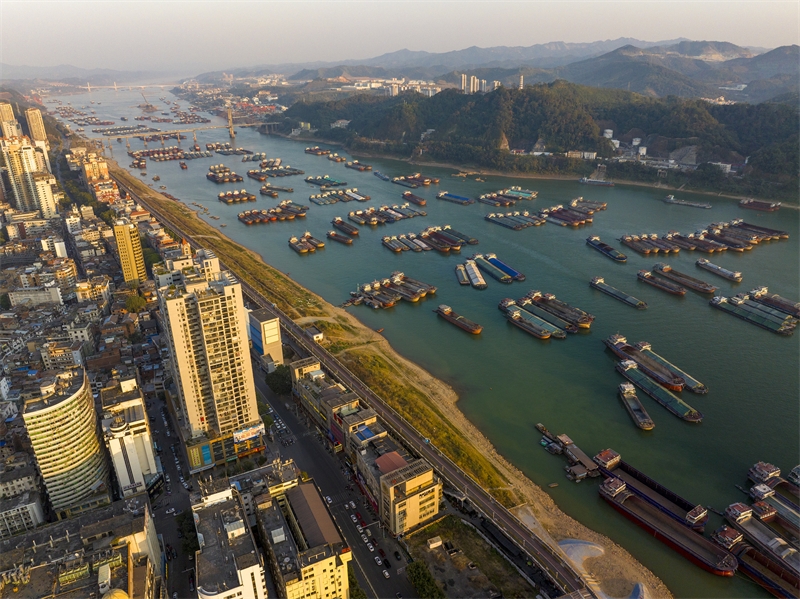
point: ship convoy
(385, 293)
(758, 540)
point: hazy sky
(198, 36)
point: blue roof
(364, 433)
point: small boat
(379, 330)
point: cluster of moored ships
(760, 539)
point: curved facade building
(63, 428)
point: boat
(647, 277)
(183, 165)
(737, 306)
(637, 411)
(297, 245)
(695, 547)
(339, 237)
(509, 306)
(605, 249)
(448, 230)
(555, 306)
(447, 313)
(670, 199)
(534, 308)
(381, 176)
(392, 244)
(514, 316)
(461, 274)
(308, 238)
(344, 227)
(775, 578)
(731, 275)
(600, 284)
(456, 199)
(636, 244)
(491, 269)
(414, 199)
(763, 296)
(665, 270)
(690, 383)
(774, 233)
(763, 538)
(762, 206)
(356, 165)
(655, 369)
(630, 370)
(590, 181)
(495, 261)
(475, 277)
(687, 513)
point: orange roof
(389, 462)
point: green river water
(508, 380)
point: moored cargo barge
(763, 296)
(414, 199)
(731, 275)
(665, 270)
(529, 322)
(685, 512)
(647, 277)
(555, 306)
(656, 370)
(490, 269)
(740, 517)
(495, 261)
(447, 313)
(474, 275)
(605, 249)
(343, 226)
(534, 308)
(456, 199)
(629, 369)
(738, 307)
(776, 579)
(600, 284)
(634, 407)
(696, 548)
(762, 206)
(690, 383)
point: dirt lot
(491, 574)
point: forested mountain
(480, 129)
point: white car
(364, 538)
(370, 547)
(378, 561)
(353, 518)
(353, 504)
(386, 573)
(328, 499)
(358, 528)
(170, 510)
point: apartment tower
(129, 247)
(63, 428)
(35, 125)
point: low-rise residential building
(18, 475)
(58, 355)
(20, 513)
(265, 335)
(35, 296)
(306, 552)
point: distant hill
(72, 74)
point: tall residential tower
(129, 247)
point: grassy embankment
(373, 362)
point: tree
(356, 592)
(424, 583)
(5, 301)
(135, 304)
(280, 380)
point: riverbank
(414, 393)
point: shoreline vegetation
(414, 393)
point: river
(507, 380)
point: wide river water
(508, 380)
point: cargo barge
(461, 275)
(655, 369)
(495, 200)
(738, 307)
(600, 284)
(535, 309)
(786, 510)
(492, 270)
(549, 303)
(421, 179)
(732, 243)
(740, 517)
(234, 197)
(529, 322)
(763, 296)
(593, 205)
(405, 182)
(494, 261)
(665, 270)
(357, 166)
(630, 370)
(317, 151)
(670, 199)
(696, 548)
(300, 246)
(770, 475)
(474, 275)
(440, 237)
(636, 244)
(517, 193)
(465, 238)
(393, 244)
(774, 233)
(414, 199)
(685, 512)
(224, 176)
(343, 226)
(773, 577)
(605, 249)
(325, 181)
(455, 199)
(333, 235)
(647, 277)
(635, 408)
(690, 383)
(731, 275)
(447, 313)
(336, 158)
(515, 220)
(762, 206)
(598, 182)
(381, 176)
(318, 244)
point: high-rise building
(496, 84)
(19, 160)
(11, 129)
(483, 85)
(35, 124)
(129, 248)
(6, 112)
(464, 82)
(64, 433)
(44, 184)
(521, 81)
(206, 323)
(94, 168)
(473, 85)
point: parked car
(328, 499)
(353, 518)
(171, 510)
(353, 504)
(371, 547)
(397, 556)
(386, 574)
(378, 561)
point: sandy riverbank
(358, 346)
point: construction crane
(147, 107)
